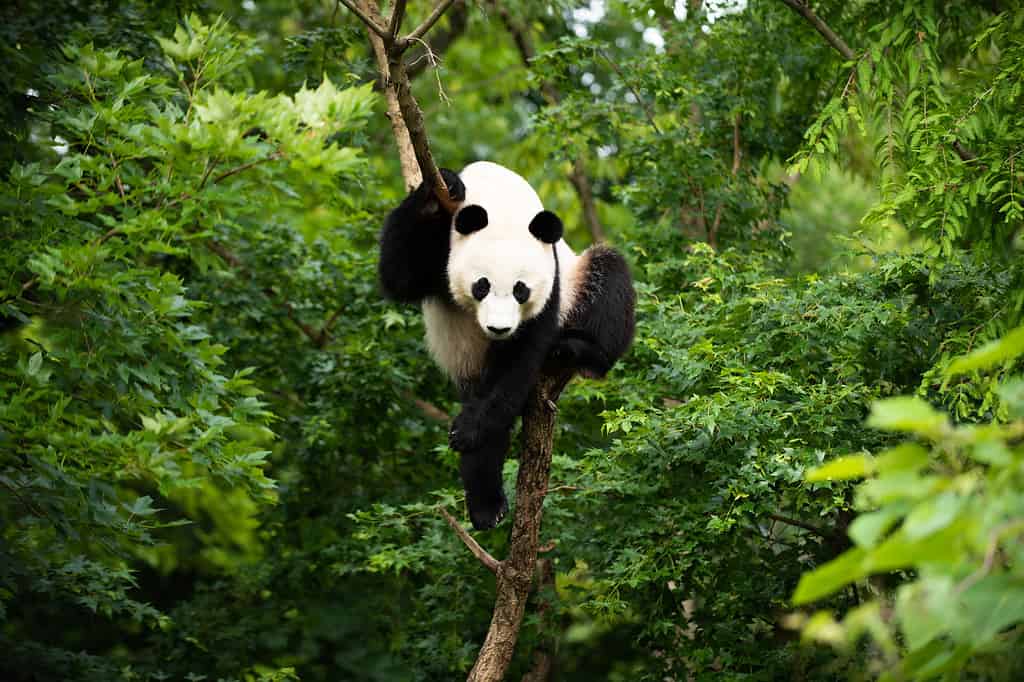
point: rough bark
(544, 655)
(406, 155)
(407, 122)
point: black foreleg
(414, 244)
(481, 476)
(481, 431)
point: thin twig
(440, 9)
(821, 27)
(441, 39)
(479, 552)
(639, 100)
(434, 61)
(800, 524)
(246, 166)
(365, 18)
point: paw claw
(487, 516)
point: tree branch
(458, 19)
(489, 562)
(397, 14)
(420, 30)
(804, 10)
(429, 409)
(581, 182)
(800, 524)
(403, 110)
(515, 573)
(366, 18)
(245, 166)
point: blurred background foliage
(221, 453)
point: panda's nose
(498, 330)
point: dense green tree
(222, 453)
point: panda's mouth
(498, 333)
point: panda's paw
(465, 434)
(486, 513)
(456, 188)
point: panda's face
(502, 282)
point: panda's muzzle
(498, 331)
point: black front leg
(414, 244)
(480, 469)
(480, 433)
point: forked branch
(403, 110)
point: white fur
(505, 252)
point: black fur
(413, 266)
(600, 327)
(414, 244)
(470, 219)
(547, 227)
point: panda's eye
(521, 292)
(481, 288)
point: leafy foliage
(951, 517)
(222, 454)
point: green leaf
(906, 457)
(932, 515)
(1006, 348)
(867, 529)
(34, 363)
(844, 468)
(908, 414)
(834, 575)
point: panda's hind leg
(600, 327)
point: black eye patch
(521, 292)
(481, 288)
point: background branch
(804, 10)
(578, 177)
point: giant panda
(503, 298)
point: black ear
(470, 219)
(546, 227)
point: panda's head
(501, 267)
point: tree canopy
(223, 455)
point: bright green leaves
(843, 468)
(946, 515)
(908, 415)
(167, 210)
(991, 354)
